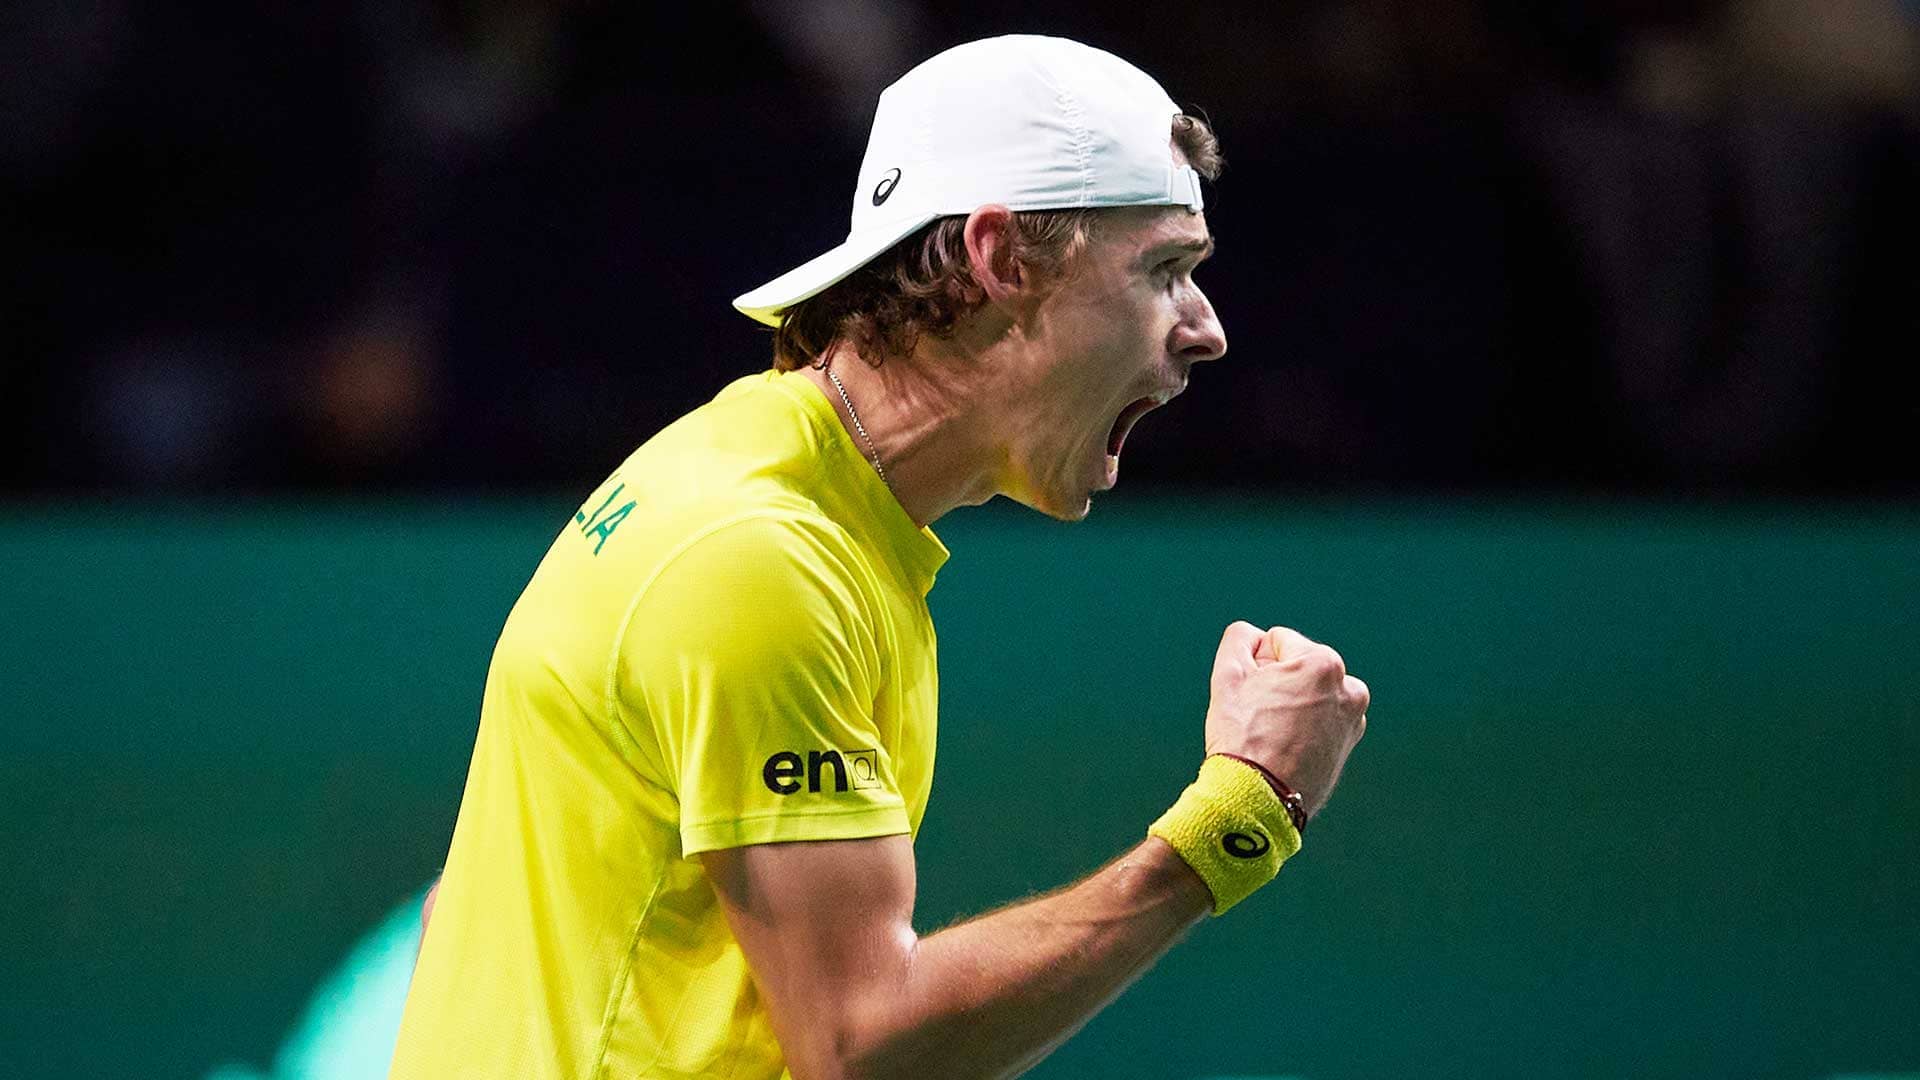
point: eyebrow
(1204, 247)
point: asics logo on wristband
(1242, 846)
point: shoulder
(790, 566)
(753, 416)
(761, 541)
(760, 604)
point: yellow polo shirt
(729, 644)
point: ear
(989, 239)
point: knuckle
(1359, 694)
(1325, 664)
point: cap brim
(813, 277)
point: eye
(1170, 272)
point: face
(1109, 343)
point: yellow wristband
(1231, 828)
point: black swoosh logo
(1242, 846)
(886, 186)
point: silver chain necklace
(857, 425)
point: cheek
(1126, 316)
(1097, 342)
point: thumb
(1238, 646)
(1278, 642)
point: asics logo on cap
(1024, 121)
(886, 186)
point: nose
(1198, 336)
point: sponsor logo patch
(787, 771)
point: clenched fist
(1286, 702)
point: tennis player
(707, 739)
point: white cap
(1032, 123)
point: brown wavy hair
(924, 284)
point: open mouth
(1129, 416)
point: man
(686, 846)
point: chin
(1060, 506)
(1066, 493)
(1066, 507)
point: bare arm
(426, 916)
(426, 906)
(827, 928)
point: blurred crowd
(1643, 246)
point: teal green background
(1638, 796)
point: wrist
(1231, 828)
(1295, 803)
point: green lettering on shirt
(605, 526)
(602, 523)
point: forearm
(992, 996)
(852, 991)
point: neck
(935, 449)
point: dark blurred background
(1616, 246)
(1572, 394)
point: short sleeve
(751, 660)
